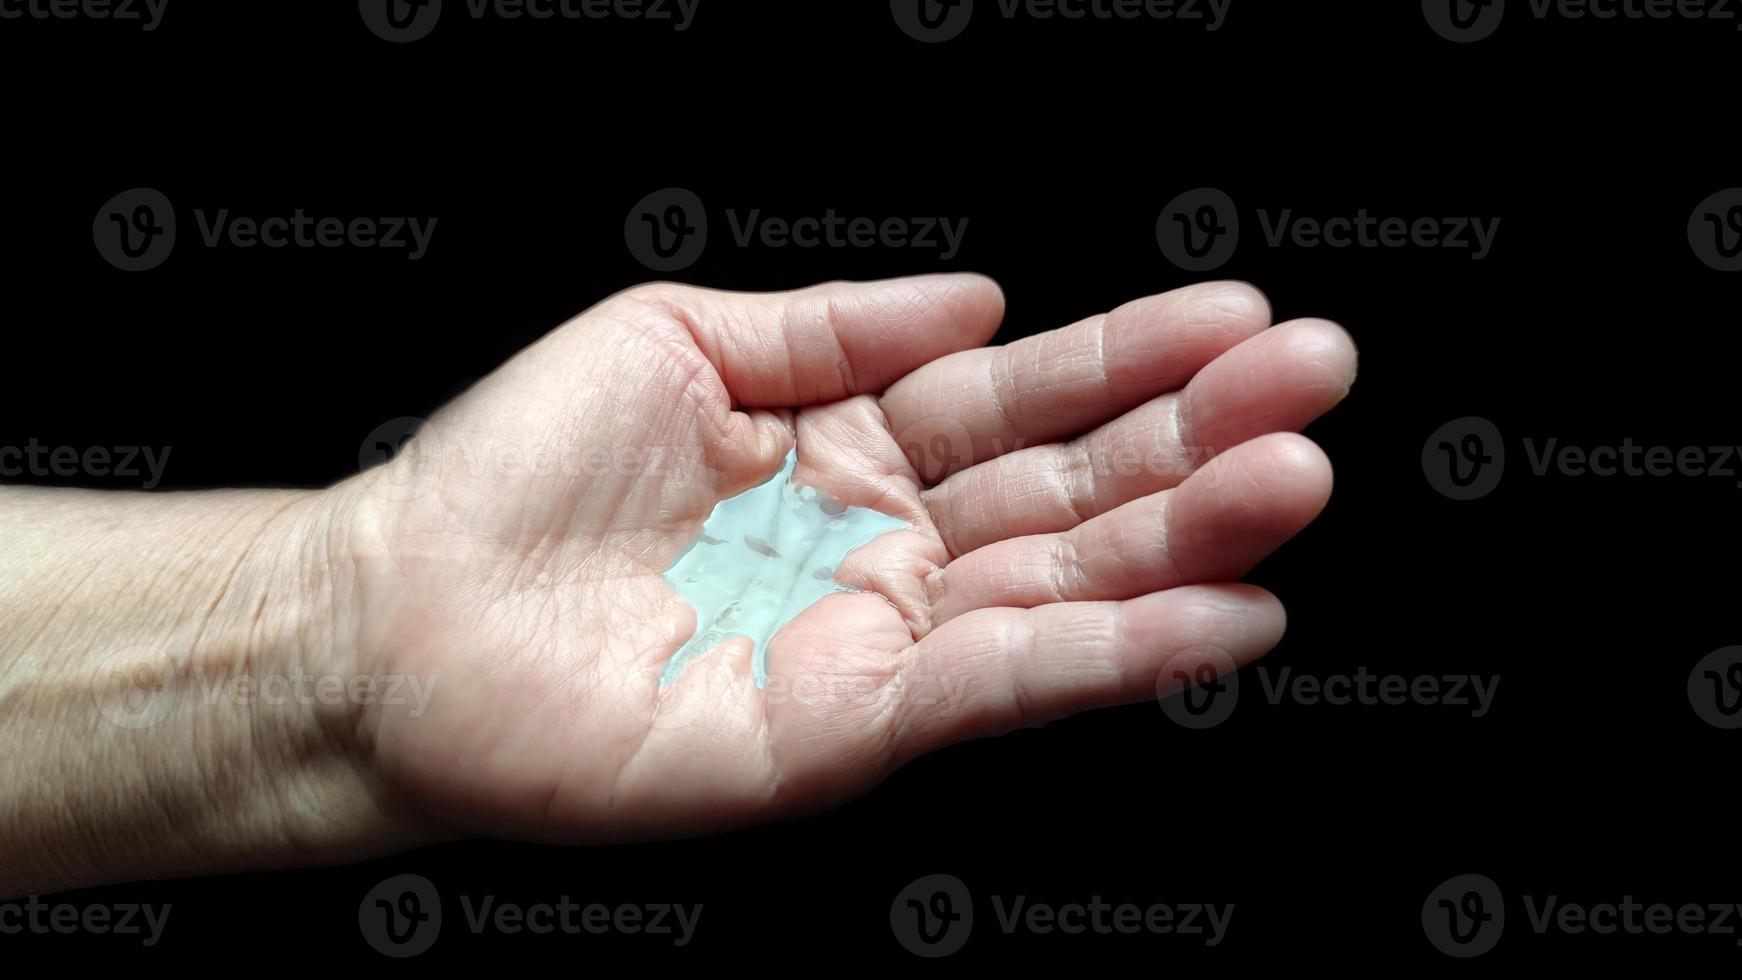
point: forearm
(135, 632)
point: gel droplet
(779, 544)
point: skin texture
(1083, 503)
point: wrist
(181, 680)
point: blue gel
(762, 558)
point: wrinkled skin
(1081, 506)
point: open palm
(1080, 504)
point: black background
(1327, 826)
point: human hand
(1079, 507)
(1081, 504)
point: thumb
(828, 342)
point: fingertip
(1321, 348)
(1225, 625)
(1155, 344)
(1260, 471)
(1240, 299)
(1249, 612)
(1231, 310)
(974, 301)
(888, 327)
(1268, 617)
(1242, 506)
(992, 303)
(1295, 471)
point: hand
(1081, 505)
(469, 639)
